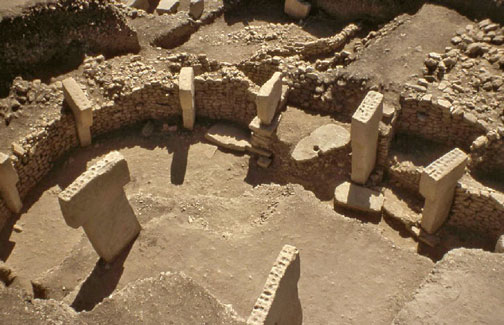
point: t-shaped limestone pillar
(268, 97)
(97, 202)
(81, 108)
(279, 302)
(437, 185)
(186, 95)
(364, 134)
(8, 181)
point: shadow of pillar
(179, 163)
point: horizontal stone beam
(279, 302)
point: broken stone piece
(8, 181)
(279, 302)
(297, 9)
(265, 130)
(268, 98)
(186, 96)
(499, 246)
(357, 197)
(196, 8)
(167, 7)
(229, 136)
(323, 140)
(81, 108)
(97, 202)
(139, 4)
(264, 162)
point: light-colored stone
(297, 9)
(499, 246)
(397, 209)
(356, 197)
(268, 98)
(279, 302)
(81, 108)
(196, 8)
(167, 7)
(437, 185)
(364, 133)
(139, 4)
(8, 181)
(323, 140)
(97, 202)
(265, 130)
(186, 96)
(229, 136)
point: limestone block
(196, 8)
(97, 202)
(357, 197)
(268, 98)
(81, 108)
(139, 4)
(437, 185)
(167, 7)
(499, 247)
(229, 137)
(265, 130)
(279, 302)
(8, 181)
(323, 140)
(297, 9)
(364, 135)
(186, 96)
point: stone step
(357, 197)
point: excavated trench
(215, 214)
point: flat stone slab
(397, 209)
(229, 136)
(265, 130)
(168, 7)
(325, 139)
(356, 197)
(465, 287)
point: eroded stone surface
(196, 8)
(8, 181)
(167, 7)
(298, 9)
(356, 197)
(321, 141)
(186, 96)
(229, 136)
(398, 209)
(279, 302)
(268, 98)
(81, 108)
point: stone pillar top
(366, 110)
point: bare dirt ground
(202, 211)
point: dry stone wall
(487, 153)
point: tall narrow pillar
(186, 95)
(364, 135)
(97, 202)
(81, 108)
(268, 98)
(8, 181)
(279, 302)
(437, 185)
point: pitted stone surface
(353, 196)
(321, 141)
(279, 302)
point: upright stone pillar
(268, 98)
(279, 302)
(97, 202)
(81, 108)
(186, 96)
(437, 185)
(364, 134)
(8, 181)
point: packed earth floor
(218, 201)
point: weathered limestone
(8, 181)
(81, 108)
(499, 246)
(186, 96)
(437, 185)
(167, 7)
(139, 4)
(196, 8)
(297, 9)
(97, 202)
(323, 140)
(268, 98)
(364, 133)
(229, 137)
(357, 197)
(279, 302)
